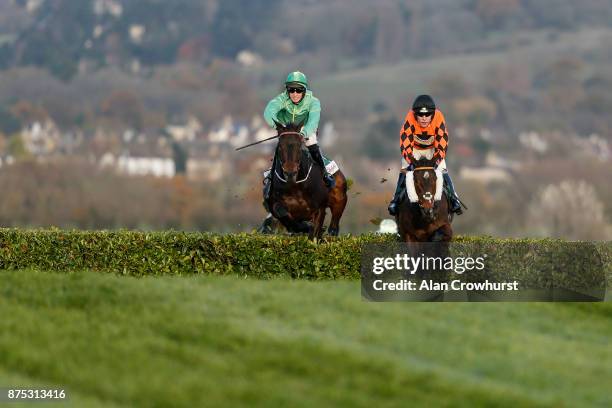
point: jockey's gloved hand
(410, 167)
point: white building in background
(187, 132)
(112, 7)
(485, 174)
(533, 141)
(139, 166)
(146, 166)
(41, 138)
(223, 132)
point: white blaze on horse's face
(426, 188)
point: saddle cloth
(330, 165)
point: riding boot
(400, 191)
(267, 184)
(315, 152)
(454, 198)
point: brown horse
(298, 195)
(424, 215)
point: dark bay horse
(424, 215)
(298, 195)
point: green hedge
(179, 253)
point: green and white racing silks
(284, 111)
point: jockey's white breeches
(424, 154)
(310, 140)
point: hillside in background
(60, 35)
(148, 100)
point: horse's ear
(278, 125)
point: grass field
(225, 341)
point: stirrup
(455, 206)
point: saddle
(330, 165)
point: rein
(299, 181)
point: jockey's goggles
(291, 90)
(425, 114)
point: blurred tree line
(58, 35)
(76, 194)
(87, 66)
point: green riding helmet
(297, 77)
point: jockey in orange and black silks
(423, 135)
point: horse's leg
(296, 227)
(337, 209)
(317, 222)
(408, 237)
(280, 212)
(337, 203)
(293, 226)
(445, 232)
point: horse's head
(426, 187)
(289, 149)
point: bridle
(426, 196)
(280, 161)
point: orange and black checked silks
(412, 136)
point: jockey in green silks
(297, 104)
